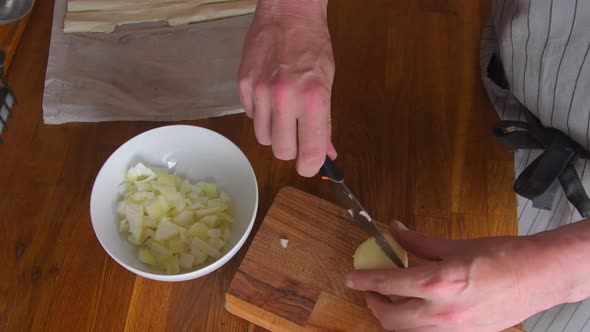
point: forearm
(565, 253)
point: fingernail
(401, 226)
(349, 283)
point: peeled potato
(369, 255)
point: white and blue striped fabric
(544, 46)
(5, 108)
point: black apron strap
(543, 171)
(572, 186)
(555, 163)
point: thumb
(422, 245)
(332, 151)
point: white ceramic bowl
(199, 154)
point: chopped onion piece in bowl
(178, 226)
(184, 173)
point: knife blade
(346, 198)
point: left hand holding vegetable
(467, 285)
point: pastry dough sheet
(144, 72)
(114, 5)
(106, 17)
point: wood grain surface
(301, 287)
(411, 123)
(10, 37)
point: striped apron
(543, 47)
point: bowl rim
(186, 275)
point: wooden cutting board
(301, 287)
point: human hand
(485, 284)
(285, 81)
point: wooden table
(412, 126)
(10, 37)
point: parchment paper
(147, 72)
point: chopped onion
(164, 178)
(186, 261)
(149, 222)
(161, 253)
(123, 225)
(213, 210)
(284, 243)
(134, 215)
(146, 256)
(167, 190)
(215, 202)
(167, 229)
(140, 173)
(176, 225)
(147, 234)
(185, 217)
(206, 248)
(210, 189)
(226, 234)
(143, 195)
(155, 209)
(173, 265)
(125, 187)
(199, 230)
(224, 216)
(143, 186)
(200, 257)
(177, 246)
(211, 221)
(214, 233)
(184, 237)
(224, 197)
(216, 243)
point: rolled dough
(175, 13)
(125, 5)
(113, 5)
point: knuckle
(280, 87)
(436, 283)
(445, 282)
(317, 82)
(316, 90)
(280, 90)
(244, 83)
(261, 88)
(317, 97)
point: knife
(333, 175)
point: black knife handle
(329, 171)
